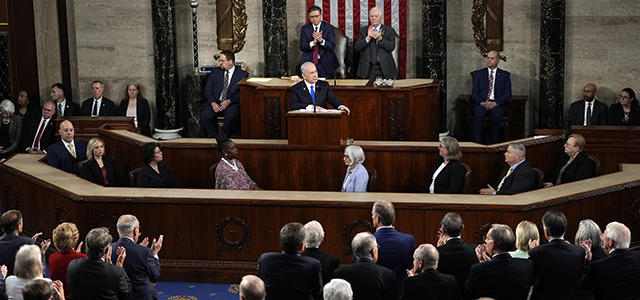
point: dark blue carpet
(196, 291)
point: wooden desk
(218, 236)
(87, 127)
(612, 145)
(319, 128)
(408, 112)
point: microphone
(314, 98)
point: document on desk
(320, 111)
(259, 79)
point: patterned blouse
(229, 179)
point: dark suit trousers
(496, 118)
(322, 72)
(209, 119)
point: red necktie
(36, 142)
(95, 108)
(315, 51)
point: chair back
(212, 175)
(596, 165)
(396, 52)
(372, 185)
(539, 178)
(81, 166)
(133, 177)
(467, 179)
(341, 53)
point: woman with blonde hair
(447, 174)
(527, 238)
(99, 168)
(28, 267)
(65, 238)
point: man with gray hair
(252, 288)
(97, 105)
(517, 177)
(501, 277)
(313, 94)
(289, 275)
(368, 280)
(338, 289)
(315, 236)
(424, 279)
(616, 276)
(142, 264)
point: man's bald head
(66, 131)
(589, 92)
(252, 288)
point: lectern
(319, 128)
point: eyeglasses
(443, 147)
(314, 16)
(624, 97)
(346, 156)
(222, 60)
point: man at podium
(311, 93)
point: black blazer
(557, 268)
(289, 276)
(501, 278)
(450, 179)
(520, 180)
(107, 107)
(47, 139)
(10, 243)
(70, 109)
(300, 96)
(576, 114)
(456, 258)
(368, 280)
(97, 279)
(93, 173)
(385, 50)
(580, 168)
(328, 262)
(148, 177)
(143, 113)
(429, 285)
(615, 277)
(616, 115)
(142, 268)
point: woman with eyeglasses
(134, 105)
(447, 174)
(626, 112)
(357, 178)
(575, 166)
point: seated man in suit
(369, 281)
(557, 265)
(500, 277)
(223, 96)
(11, 240)
(317, 41)
(491, 93)
(424, 279)
(337, 289)
(288, 275)
(375, 44)
(252, 288)
(40, 135)
(456, 256)
(98, 105)
(313, 94)
(64, 107)
(616, 276)
(142, 264)
(315, 236)
(67, 153)
(396, 248)
(94, 277)
(517, 177)
(588, 111)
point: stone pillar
(552, 47)
(434, 51)
(164, 58)
(274, 15)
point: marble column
(274, 16)
(164, 58)
(552, 48)
(434, 51)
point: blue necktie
(313, 95)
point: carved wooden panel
(347, 234)
(481, 233)
(634, 215)
(10, 198)
(233, 233)
(62, 215)
(396, 119)
(272, 123)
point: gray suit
(385, 47)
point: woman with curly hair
(65, 238)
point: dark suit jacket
(58, 156)
(502, 278)
(47, 138)
(93, 173)
(386, 46)
(328, 262)
(96, 279)
(215, 82)
(501, 89)
(616, 277)
(450, 179)
(70, 109)
(300, 96)
(9, 245)
(107, 107)
(580, 168)
(327, 56)
(456, 258)
(15, 133)
(290, 276)
(557, 267)
(34, 113)
(368, 281)
(576, 114)
(143, 114)
(141, 266)
(429, 285)
(520, 180)
(616, 115)
(148, 177)
(395, 253)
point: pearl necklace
(6, 122)
(234, 166)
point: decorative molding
(209, 263)
(60, 210)
(239, 25)
(106, 217)
(10, 199)
(481, 233)
(272, 124)
(581, 196)
(396, 119)
(347, 232)
(241, 244)
(634, 215)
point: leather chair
(539, 178)
(212, 175)
(596, 165)
(396, 53)
(133, 177)
(372, 185)
(81, 166)
(467, 179)
(341, 53)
